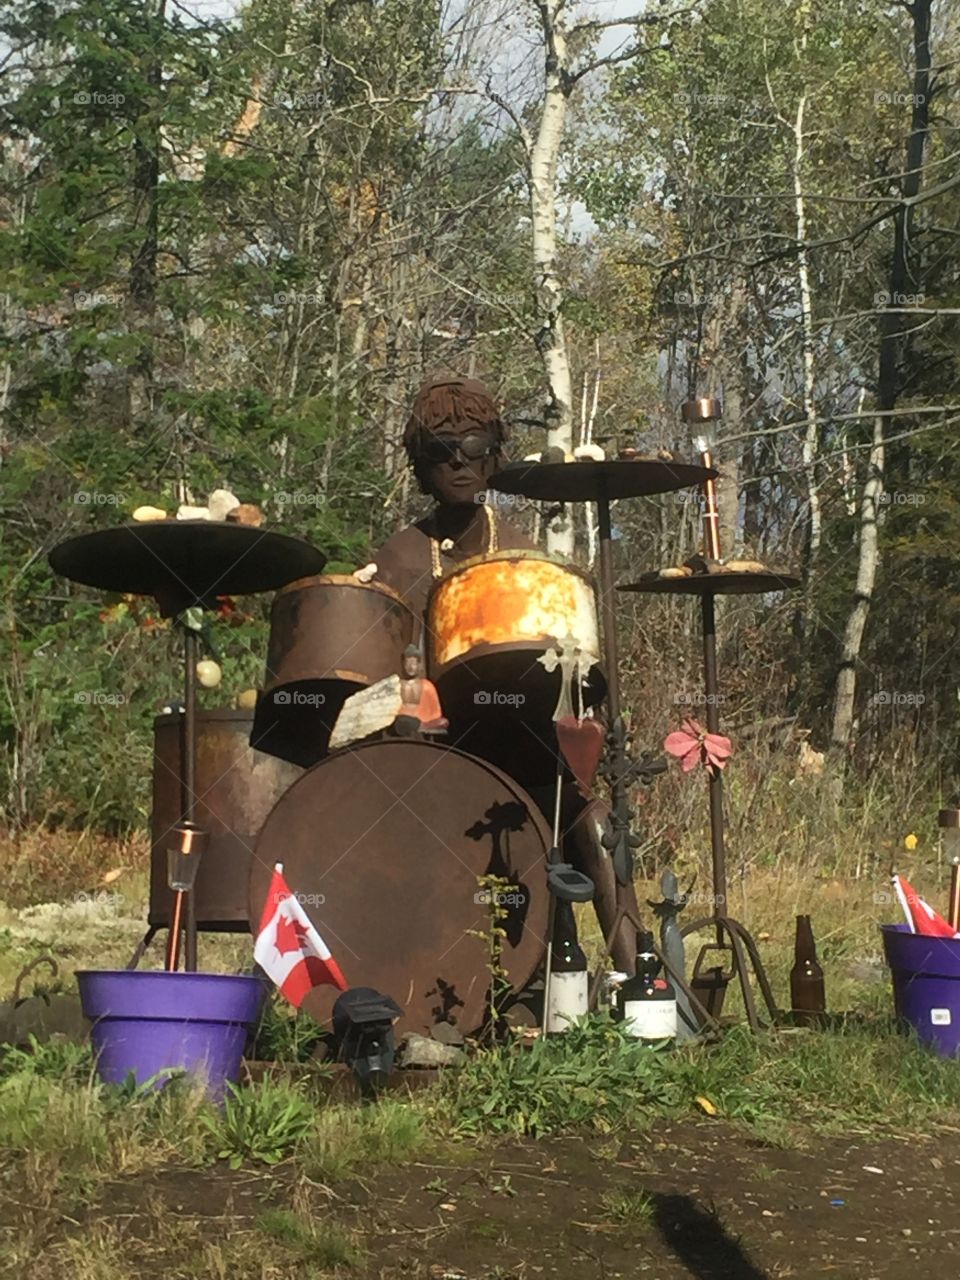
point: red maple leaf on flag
(290, 935)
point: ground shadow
(699, 1241)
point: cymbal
(591, 481)
(714, 584)
(185, 562)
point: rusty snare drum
(330, 636)
(236, 787)
(489, 622)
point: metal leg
(742, 947)
(142, 945)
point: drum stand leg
(142, 945)
(742, 946)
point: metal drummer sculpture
(454, 440)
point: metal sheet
(236, 788)
(330, 636)
(384, 844)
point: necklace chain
(492, 542)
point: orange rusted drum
(489, 621)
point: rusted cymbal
(591, 481)
(714, 584)
(183, 562)
(383, 844)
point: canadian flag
(921, 917)
(288, 947)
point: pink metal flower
(692, 745)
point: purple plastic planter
(926, 985)
(151, 1023)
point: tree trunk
(888, 386)
(550, 338)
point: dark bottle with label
(647, 1004)
(569, 980)
(808, 997)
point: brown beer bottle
(807, 994)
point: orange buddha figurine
(420, 704)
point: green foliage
(261, 1122)
(313, 1243)
(592, 1076)
(54, 1059)
(286, 1034)
(348, 1141)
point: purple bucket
(926, 985)
(151, 1023)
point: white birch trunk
(866, 578)
(550, 338)
(811, 437)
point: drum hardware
(185, 564)
(712, 979)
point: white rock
(185, 512)
(220, 502)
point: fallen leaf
(706, 1106)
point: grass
(309, 1242)
(629, 1208)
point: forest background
(231, 248)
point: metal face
(383, 845)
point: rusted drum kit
(386, 842)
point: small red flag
(288, 947)
(921, 917)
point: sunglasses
(471, 448)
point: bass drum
(385, 846)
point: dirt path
(689, 1200)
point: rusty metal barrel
(330, 636)
(236, 787)
(489, 622)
